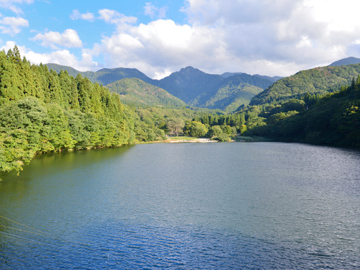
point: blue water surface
(184, 206)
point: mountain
(346, 61)
(72, 71)
(318, 81)
(211, 91)
(331, 120)
(272, 79)
(265, 78)
(136, 91)
(232, 93)
(191, 85)
(104, 76)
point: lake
(184, 206)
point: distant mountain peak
(346, 61)
(189, 69)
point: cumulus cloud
(68, 39)
(12, 25)
(305, 32)
(253, 36)
(13, 4)
(161, 46)
(76, 15)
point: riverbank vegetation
(333, 119)
(44, 111)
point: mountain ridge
(319, 80)
(189, 84)
(345, 62)
(136, 91)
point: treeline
(154, 123)
(333, 119)
(328, 118)
(42, 111)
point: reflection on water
(225, 205)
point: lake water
(184, 206)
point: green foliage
(231, 95)
(195, 129)
(43, 111)
(160, 121)
(316, 81)
(135, 91)
(104, 76)
(332, 120)
(175, 126)
(190, 85)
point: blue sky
(269, 37)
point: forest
(333, 119)
(44, 111)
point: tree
(195, 129)
(175, 126)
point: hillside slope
(231, 94)
(345, 62)
(317, 80)
(104, 76)
(136, 91)
(332, 120)
(191, 85)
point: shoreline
(198, 140)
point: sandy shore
(200, 140)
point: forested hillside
(136, 91)
(318, 81)
(331, 120)
(231, 95)
(191, 85)
(42, 111)
(213, 91)
(104, 76)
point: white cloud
(114, 17)
(254, 36)
(300, 33)
(13, 5)
(161, 46)
(67, 39)
(150, 10)
(61, 57)
(154, 11)
(12, 25)
(76, 15)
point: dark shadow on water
(53, 163)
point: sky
(267, 37)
